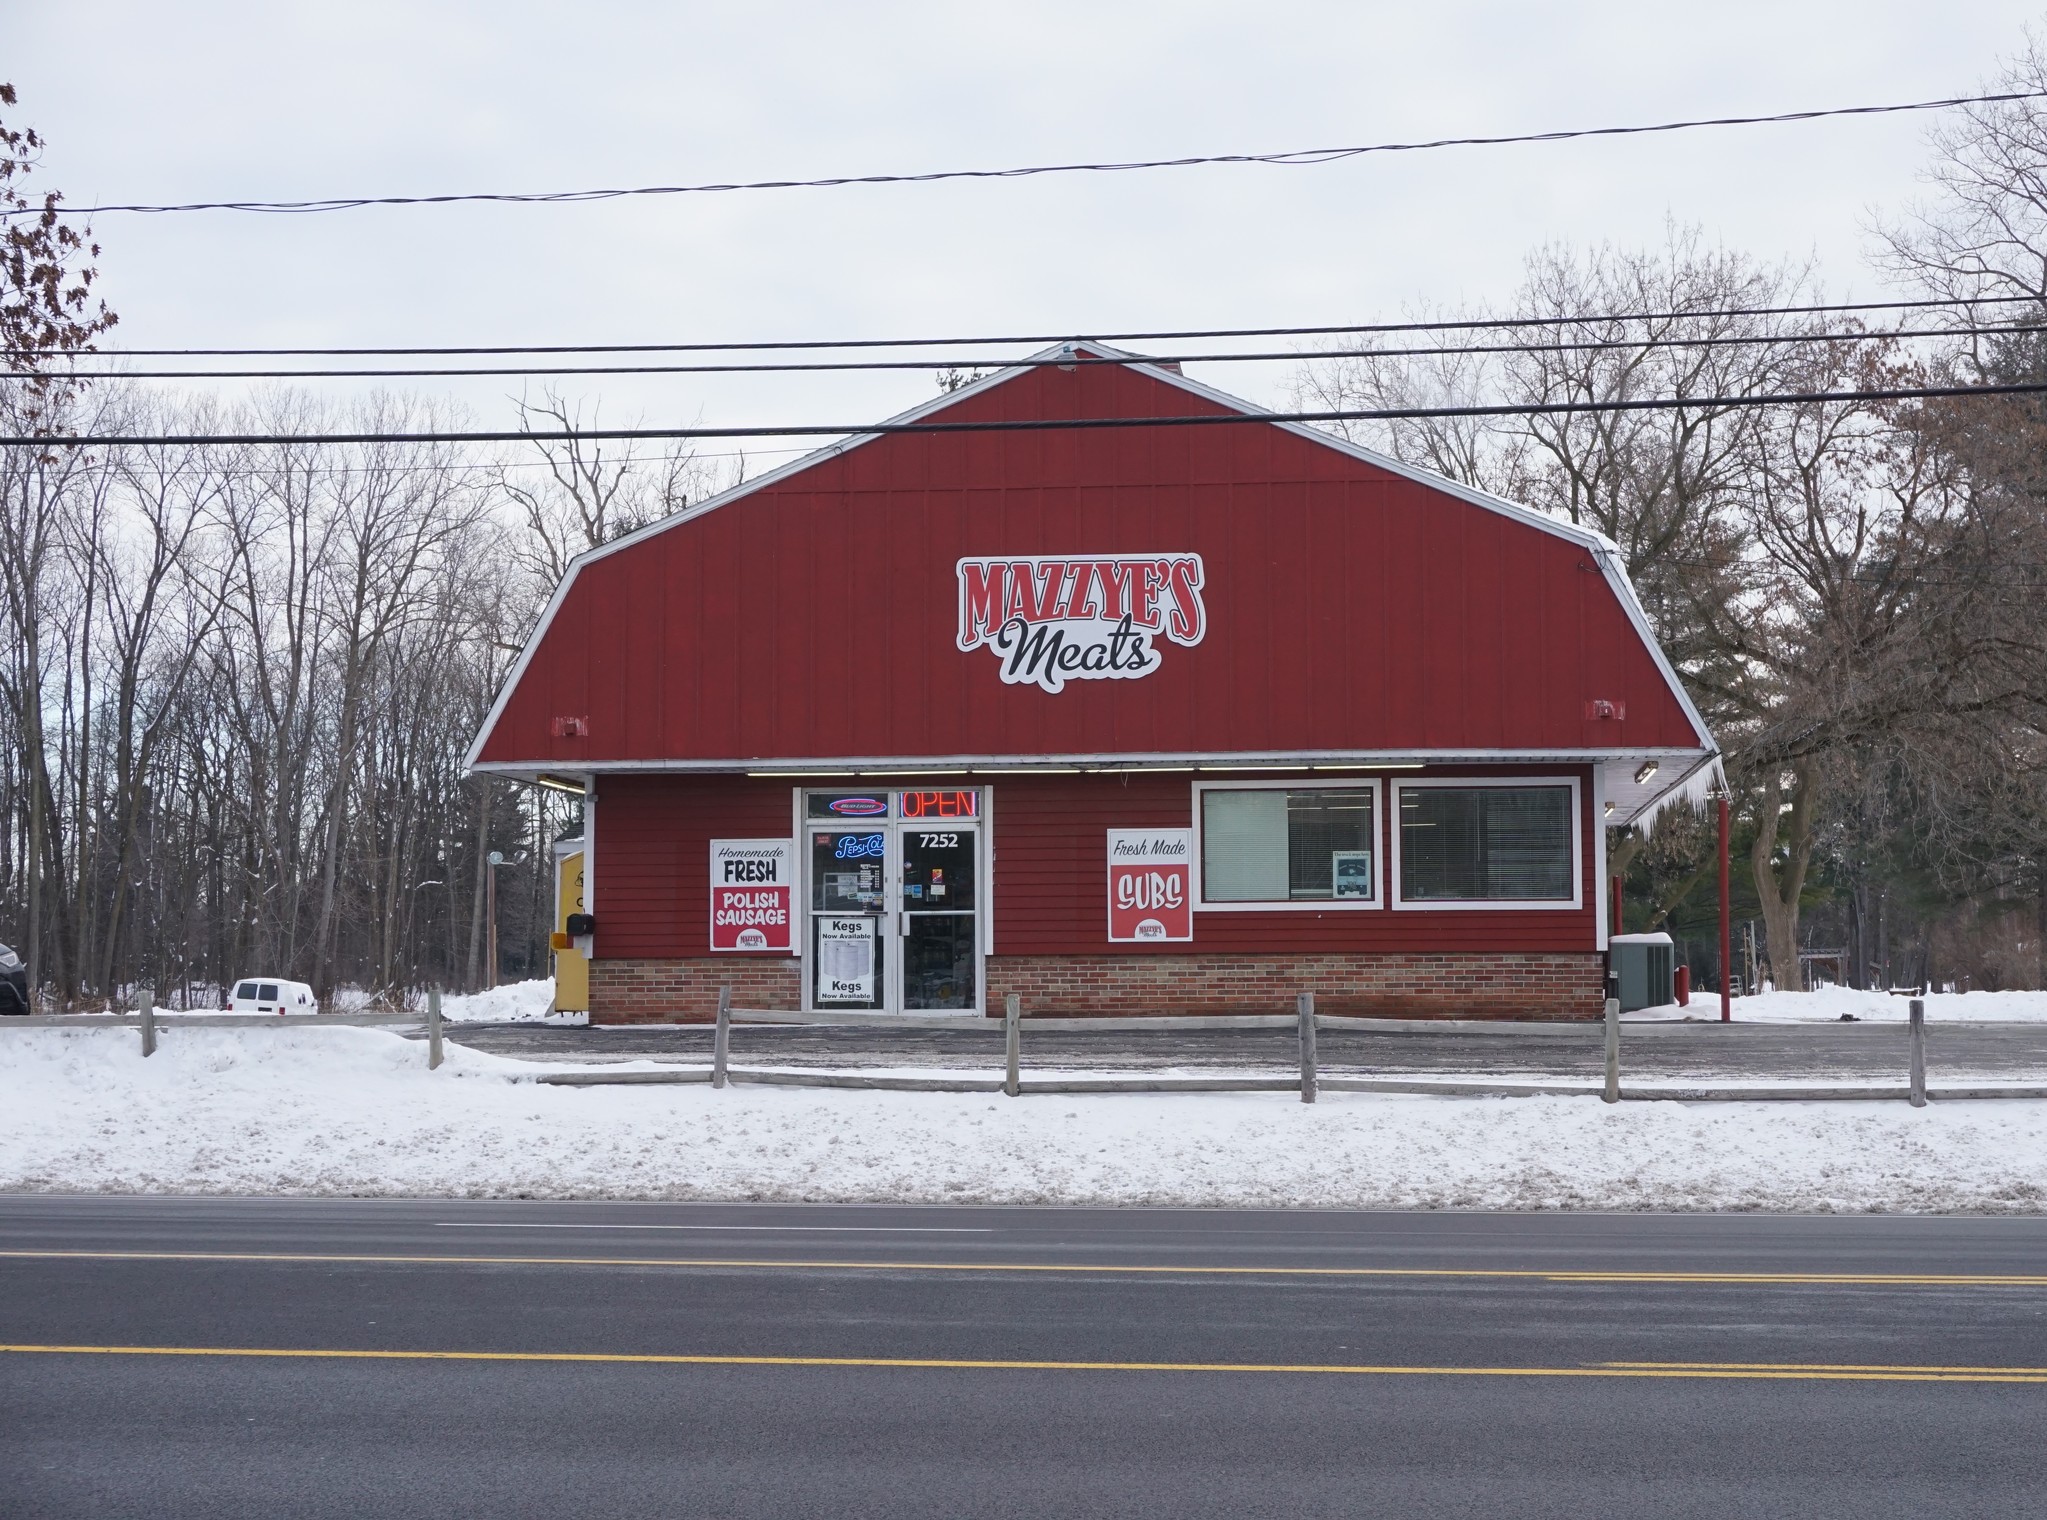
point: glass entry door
(849, 912)
(940, 963)
(894, 900)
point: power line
(958, 362)
(1037, 425)
(1294, 158)
(1458, 324)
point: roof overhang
(1634, 783)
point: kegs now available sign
(1151, 885)
(753, 886)
(1082, 617)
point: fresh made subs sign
(1151, 885)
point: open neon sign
(940, 804)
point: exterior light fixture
(561, 784)
(1648, 769)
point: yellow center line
(1743, 1372)
(702, 1263)
(1826, 1367)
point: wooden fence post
(433, 1028)
(1304, 1005)
(721, 1043)
(1012, 1043)
(1917, 1012)
(1613, 1051)
(148, 1011)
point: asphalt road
(1677, 1051)
(624, 1360)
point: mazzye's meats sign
(1084, 617)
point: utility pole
(1726, 927)
(490, 916)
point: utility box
(1642, 966)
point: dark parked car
(13, 982)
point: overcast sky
(156, 102)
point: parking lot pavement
(1678, 1051)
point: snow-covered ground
(1829, 1003)
(533, 1002)
(513, 1003)
(354, 1111)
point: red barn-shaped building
(1178, 717)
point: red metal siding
(1348, 608)
(1051, 881)
(650, 874)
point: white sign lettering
(1151, 893)
(1087, 617)
(752, 889)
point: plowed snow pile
(353, 1111)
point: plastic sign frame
(753, 896)
(1080, 617)
(1151, 886)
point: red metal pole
(1726, 926)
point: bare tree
(577, 492)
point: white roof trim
(1111, 760)
(1605, 553)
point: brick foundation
(1469, 986)
(686, 992)
(1490, 986)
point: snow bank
(513, 1003)
(355, 1112)
(1829, 1003)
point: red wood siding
(1348, 608)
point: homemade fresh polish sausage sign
(752, 884)
(1151, 883)
(1084, 617)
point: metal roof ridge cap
(1417, 473)
(1604, 550)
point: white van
(270, 995)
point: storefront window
(1485, 844)
(1263, 845)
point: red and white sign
(1151, 885)
(753, 885)
(1083, 617)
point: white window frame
(1576, 902)
(800, 823)
(1309, 905)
